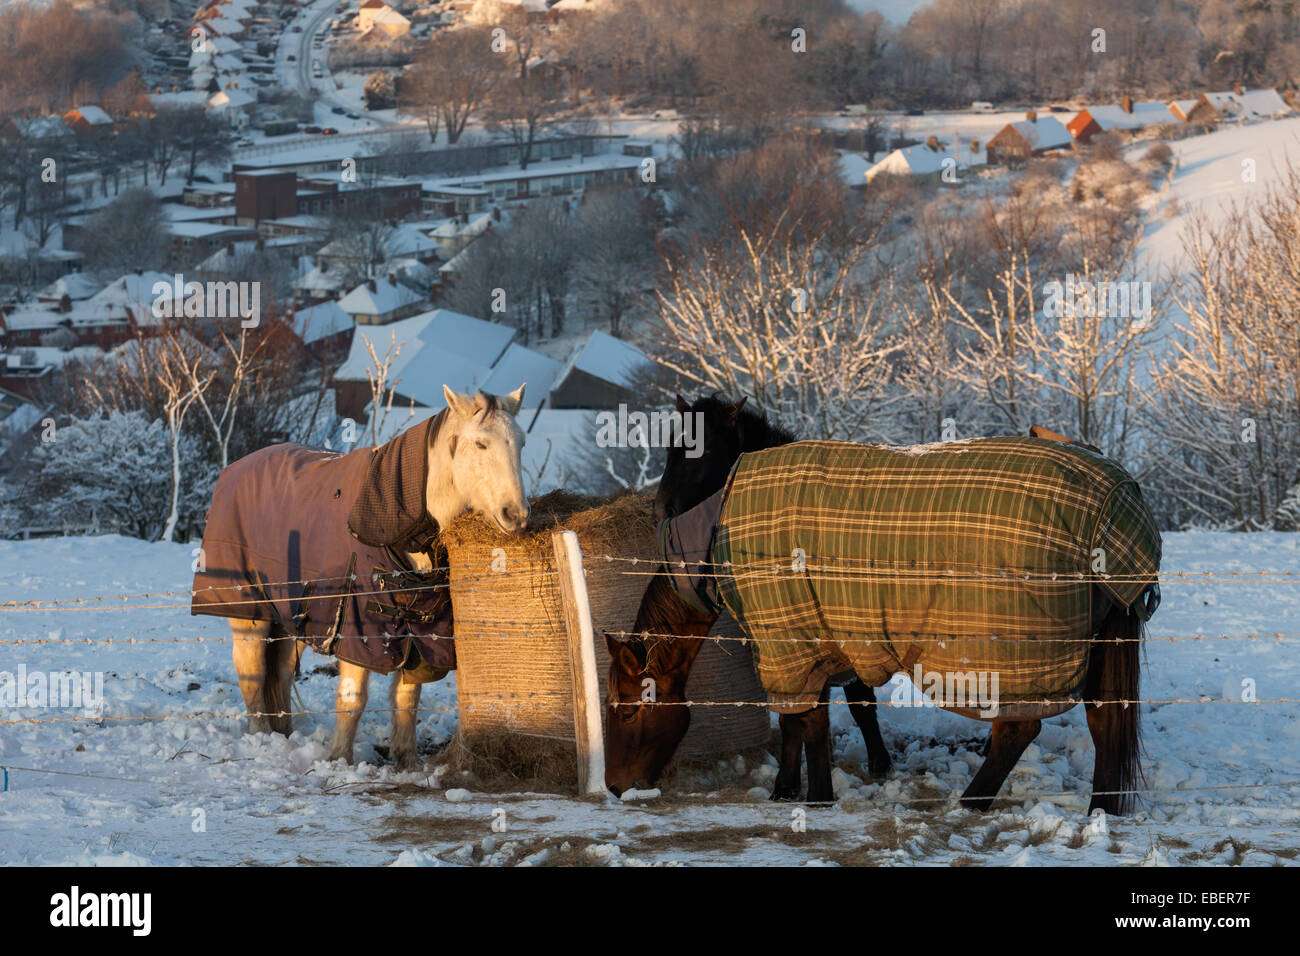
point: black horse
(640, 740)
(732, 430)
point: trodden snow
(1224, 775)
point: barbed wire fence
(590, 745)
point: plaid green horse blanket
(960, 558)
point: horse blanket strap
(685, 543)
(307, 520)
(970, 558)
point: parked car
(296, 29)
(665, 115)
(914, 112)
(854, 109)
(1060, 109)
(354, 116)
(981, 106)
(291, 58)
(328, 131)
(311, 129)
(338, 109)
(243, 141)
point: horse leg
(1007, 741)
(282, 660)
(862, 705)
(786, 786)
(1113, 675)
(817, 749)
(250, 650)
(405, 701)
(349, 704)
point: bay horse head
(475, 462)
(728, 430)
(647, 678)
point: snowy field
(135, 791)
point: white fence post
(582, 661)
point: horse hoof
(407, 762)
(344, 755)
(881, 767)
(978, 804)
(259, 725)
(783, 794)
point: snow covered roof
(230, 99)
(604, 357)
(43, 127)
(521, 364)
(132, 291)
(387, 14)
(93, 115)
(178, 98)
(75, 285)
(403, 240)
(923, 160)
(1146, 113)
(1225, 101)
(437, 348)
(853, 168)
(320, 321)
(1044, 132)
(386, 297)
(42, 356)
(1263, 103)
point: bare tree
(453, 76)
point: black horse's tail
(1114, 671)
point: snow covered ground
(137, 791)
(1216, 173)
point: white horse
(474, 465)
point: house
(1248, 105)
(380, 16)
(853, 169)
(928, 160)
(233, 103)
(1031, 136)
(28, 328)
(547, 177)
(42, 129)
(89, 121)
(381, 301)
(1125, 116)
(325, 328)
(73, 287)
(600, 373)
(1195, 112)
(399, 241)
(433, 349)
(191, 242)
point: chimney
(1289, 97)
(261, 243)
(1237, 88)
(974, 147)
(230, 249)
(1032, 116)
(932, 142)
(392, 278)
(1126, 103)
(496, 213)
(65, 303)
(371, 284)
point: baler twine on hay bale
(511, 638)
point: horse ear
(682, 405)
(733, 411)
(623, 656)
(462, 405)
(514, 401)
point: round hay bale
(513, 671)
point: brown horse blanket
(966, 558)
(316, 542)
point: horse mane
(756, 430)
